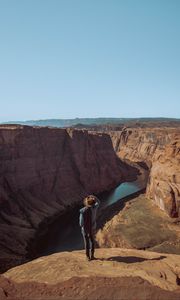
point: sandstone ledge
(116, 274)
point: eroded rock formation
(43, 172)
(139, 224)
(159, 149)
(164, 181)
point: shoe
(93, 258)
(88, 258)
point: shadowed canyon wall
(45, 171)
(159, 149)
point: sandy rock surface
(135, 226)
(116, 273)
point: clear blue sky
(89, 58)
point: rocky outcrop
(140, 144)
(159, 150)
(135, 226)
(43, 172)
(164, 181)
(115, 274)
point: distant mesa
(96, 121)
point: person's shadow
(130, 259)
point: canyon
(135, 225)
(46, 172)
(159, 150)
(154, 146)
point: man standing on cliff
(87, 221)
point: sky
(89, 58)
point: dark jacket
(93, 209)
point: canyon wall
(159, 149)
(164, 181)
(45, 171)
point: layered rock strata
(164, 181)
(159, 150)
(43, 172)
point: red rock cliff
(159, 148)
(164, 181)
(43, 171)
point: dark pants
(88, 240)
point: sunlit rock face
(159, 148)
(43, 172)
(140, 144)
(164, 181)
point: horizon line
(88, 118)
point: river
(67, 236)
